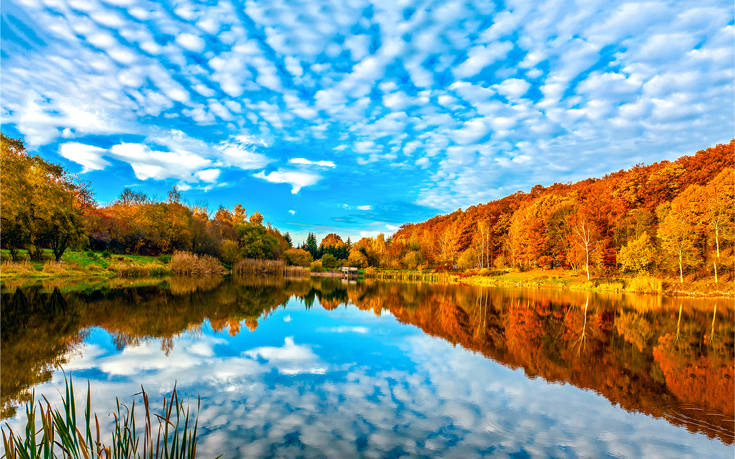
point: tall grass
(252, 266)
(131, 270)
(188, 264)
(408, 276)
(62, 435)
(644, 284)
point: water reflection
(283, 376)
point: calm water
(321, 367)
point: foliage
(638, 255)
(329, 261)
(43, 205)
(297, 257)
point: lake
(323, 367)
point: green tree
(297, 257)
(311, 245)
(255, 242)
(42, 204)
(329, 261)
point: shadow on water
(669, 358)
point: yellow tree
(719, 204)
(676, 232)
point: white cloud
(513, 87)
(239, 151)
(190, 42)
(365, 207)
(208, 175)
(89, 156)
(291, 211)
(297, 179)
(480, 57)
(308, 162)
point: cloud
(153, 164)
(365, 207)
(513, 87)
(291, 211)
(190, 42)
(416, 96)
(89, 156)
(307, 162)
(240, 151)
(297, 179)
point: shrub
(165, 258)
(329, 261)
(90, 254)
(467, 260)
(229, 251)
(316, 266)
(187, 264)
(106, 254)
(413, 259)
(297, 257)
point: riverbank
(564, 279)
(78, 264)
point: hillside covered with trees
(670, 217)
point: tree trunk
(681, 275)
(714, 263)
(587, 252)
(717, 240)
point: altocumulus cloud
(449, 102)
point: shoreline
(80, 266)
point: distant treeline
(668, 217)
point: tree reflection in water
(664, 357)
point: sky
(355, 116)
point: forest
(668, 218)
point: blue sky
(356, 116)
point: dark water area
(322, 367)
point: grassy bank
(83, 264)
(571, 280)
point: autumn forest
(664, 219)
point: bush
(187, 264)
(90, 254)
(316, 266)
(329, 261)
(467, 260)
(297, 257)
(413, 259)
(229, 251)
(106, 254)
(165, 258)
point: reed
(131, 270)
(644, 284)
(252, 266)
(412, 276)
(61, 434)
(190, 264)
